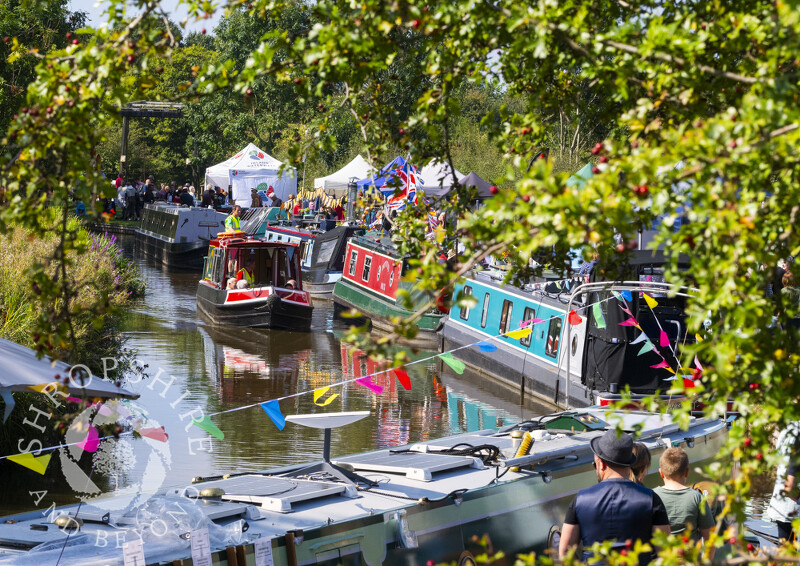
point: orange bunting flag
(28, 460)
(574, 318)
(651, 302)
(403, 378)
(521, 333)
(319, 393)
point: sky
(177, 14)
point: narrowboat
(177, 236)
(426, 502)
(576, 354)
(253, 283)
(326, 260)
(369, 284)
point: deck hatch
(501, 442)
(276, 494)
(415, 465)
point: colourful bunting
(209, 427)
(156, 433)
(669, 369)
(368, 383)
(698, 337)
(91, 442)
(319, 393)
(574, 318)
(8, 400)
(697, 364)
(688, 383)
(50, 387)
(534, 321)
(486, 347)
(642, 337)
(521, 333)
(457, 365)
(28, 460)
(617, 295)
(664, 340)
(104, 410)
(274, 411)
(630, 322)
(626, 295)
(626, 310)
(651, 302)
(599, 319)
(403, 378)
(646, 347)
(661, 365)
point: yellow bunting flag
(651, 302)
(521, 333)
(698, 337)
(319, 393)
(48, 387)
(38, 465)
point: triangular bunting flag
(646, 347)
(669, 369)
(697, 364)
(630, 322)
(574, 318)
(626, 310)
(617, 295)
(274, 411)
(521, 333)
(651, 302)
(156, 433)
(402, 376)
(319, 393)
(91, 442)
(51, 387)
(599, 319)
(641, 338)
(486, 347)
(209, 427)
(664, 340)
(457, 365)
(661, 365)
(8, 400)
(38, 465)
(626, 295)
(536, 321)
(698, 337)
(367, 382)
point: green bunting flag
(646, 347)
(209, 427)
(456, 365)
(599, 319)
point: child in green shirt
(686, 507)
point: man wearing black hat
(616, 509)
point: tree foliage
(697, 100)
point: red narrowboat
(250, 282)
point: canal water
(227, 372)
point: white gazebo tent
(247, 170)
(437, 177)
(335, 184)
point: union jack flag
(407, 179)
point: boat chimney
(352, 191)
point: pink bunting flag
(664, 341)
(156, 433)
(403, 378)
(91, 442)
(660, 365)
(630, 322)
(626, 310)
(536, 321)
(368, 383)
(697, 364)
(104, 410)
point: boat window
(353, 258)
(326, 250)
(219, 268)
(485, 310)
(465, 309)
(367, 265)
(553, 337)
(209, 270)
(284, 272)
(527, 315)
(233, 257)
(505, 317)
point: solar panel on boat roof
(414, 465)
(274, 493)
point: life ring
(466, 559)
(441, 301)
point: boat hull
(186, 256)
(320, 287)
(271, 311)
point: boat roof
(242, 240)
(273, 502)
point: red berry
(623, 552)
(732, 540)
(364, 116)
(68, 35)
(598, 147)
(430, 563)
(493, 189)
(595, 170)
(525, 131)
(620, 247)
(759, 456)
(415, 24)
(401, 131)
(685, 539)
(298, 80)
(203, 31)
(680, 552)
(628, 543)
(315, 62)
(634, 144)
(733, 144)
(319, 105)
(249, 91)
(603, 159)
(130, 58)
(632, 245)
(132, 45)
(750, 547)
(748, 441)
(526, 198)
(569, 83)
(6, 39)
(49, 110)
(75, 42)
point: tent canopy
(579, 179)
(472, 179)
(437, 177)
(250, 169)
(336, 183)
(382, 177)
(22, 370)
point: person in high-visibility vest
(232, 221)
(244, 277)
